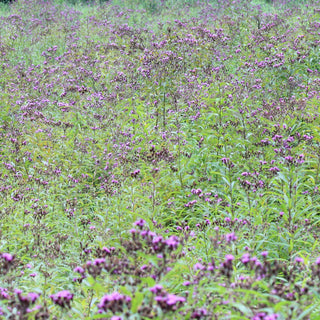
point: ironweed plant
(160, 160)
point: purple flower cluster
(7, 262)
(62, 298)
(156, 243)
(167, 301)
(114, 302)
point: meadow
(160, 160)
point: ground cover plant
(160, 160)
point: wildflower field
(160, 160)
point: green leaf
(243, 309)
(136, 301)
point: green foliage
(201, 118)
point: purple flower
(31, 297)
(62, 298)
(289, 159)
(140, 223)
(173, 299)
(156, 289)
(169, 302)
(157, 239)
(7, 256)
(225, 160)
(231, 237)
(114, 302)
(99, 261)
(198, 266)
(274, 169)
(79, 270)
(245, 258)
(199, 314)
(144, 267)
(172, 242)
(4, 294)
(229, 257)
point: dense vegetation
(160, 160)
